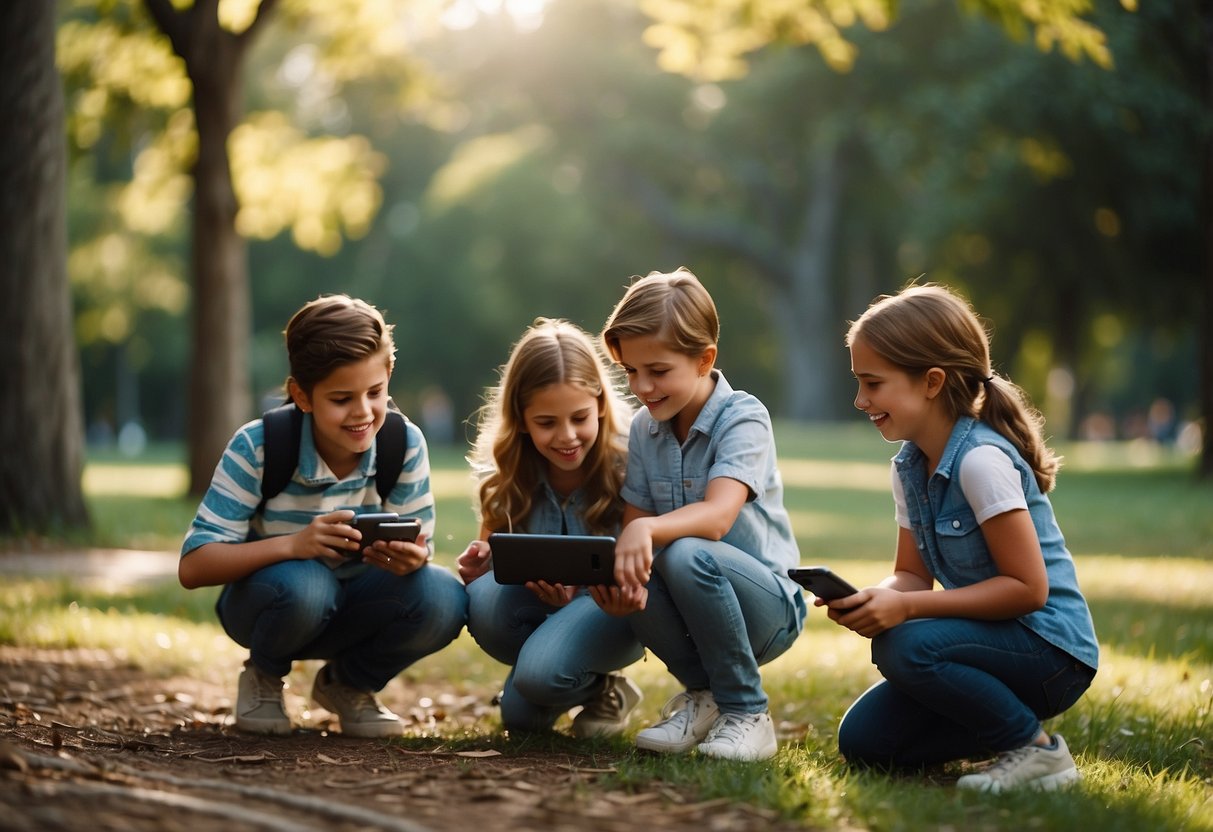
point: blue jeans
(370, 625)
(714, 614)
(956, 688)
(558, 655)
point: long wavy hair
(929, 325)
(503, 457)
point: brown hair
(333, 331)
(674, 307)
(509, 468)
(925, 326)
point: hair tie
(986, 381)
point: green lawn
(1140, 526)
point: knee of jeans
(542, 685)
(858, 745)
(897, 654)
(683, 559)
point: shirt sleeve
(232, 498)
(635, 490)
(900, 512)
(991, 483)
(744, 448)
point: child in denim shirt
(1008, 642)
(705, 530)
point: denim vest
(954, 549)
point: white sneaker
(259, 707)
(360, 713)
(1031, 767)
(686, 720)
(741, 737)
(607, 713)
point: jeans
(558, 655)
(370, 625)
(956, 688)
(714, 614)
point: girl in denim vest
(706, 536)
(973, 669)
(549, 456)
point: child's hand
(400, 557)
(556, 595)
(634, 555)
(870, 611)
(328, 535)
(475, 561)
(620, 600)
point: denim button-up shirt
(732, 437)
(954, 550)
(553, 514)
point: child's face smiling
(348, 408)
(895, 402)
(562, 421)
(670, 384)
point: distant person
(705, 532)
(971, 670)
(549, 455)
(297, 582)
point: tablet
(569, 559)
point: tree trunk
(1204, 336)
(40, 421)
(805, 313)
(219, 395)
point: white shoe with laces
(745, 737)
(686, 720)
(1040, 767)
(607, 713)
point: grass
(1140, 526)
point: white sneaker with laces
(686, 720)
(1039, 767)
(259, 707)
(741, 737)
(607, 713)
(359, 711)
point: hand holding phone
(384, 526)
(822, 582)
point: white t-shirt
(988, 479)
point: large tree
(253, 175)
(40, 419)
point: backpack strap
(390, 444)
(284, 430)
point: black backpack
(284, 429)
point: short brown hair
(331, 332)
(675, 307)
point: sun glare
(526, 15)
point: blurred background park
(468, 165)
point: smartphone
(822, 582)
(383, 526)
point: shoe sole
(751, 757)
(1048, 783)
(659, 747)
(259, 727)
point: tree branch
(169, 21)
(264, 13)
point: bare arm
(710, 519)
(213, 564)
(1021, 587)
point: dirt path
(89, 742)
